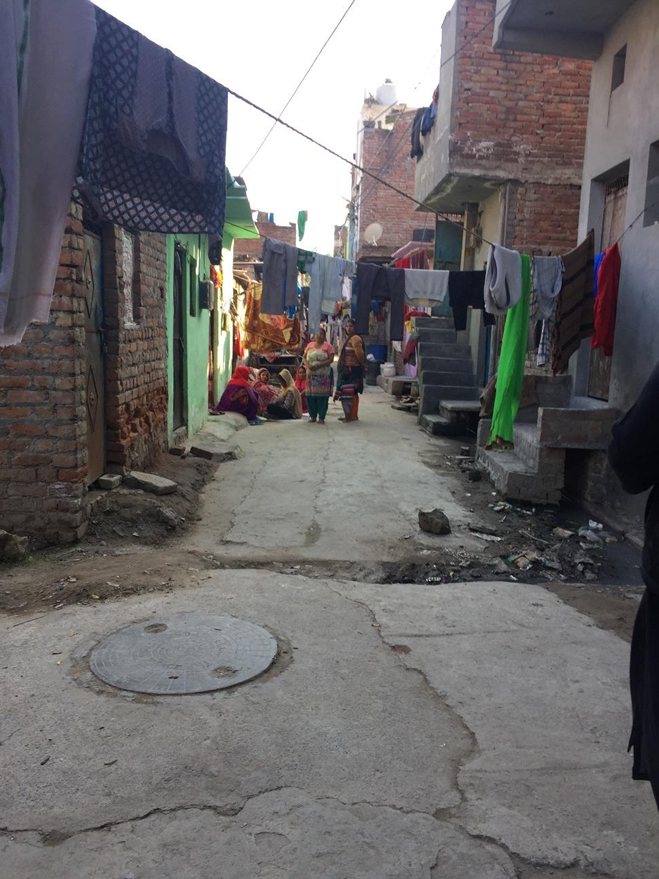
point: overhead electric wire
(298, 86)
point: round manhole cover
(184, 653)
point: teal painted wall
(197, 330)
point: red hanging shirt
(606, 302)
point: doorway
(180, 260)
(613, 225)
(94, 354)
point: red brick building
(87, 391)
(507, 146)
(384, 148)
(250, 250)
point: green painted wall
(197, 330)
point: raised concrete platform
(396, 385)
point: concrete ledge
(395, 385)
(576, 428)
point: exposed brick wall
(543, 218)
(386, 152)
(521, 115)
(136, 349)
(43, 455)
(252, 248)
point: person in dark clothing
(633, 455)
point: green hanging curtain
(302, 217)
(510, 375)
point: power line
(297, 88)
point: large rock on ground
(150, 482)
(434, 522)
(12, 548)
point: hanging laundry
(268, 333)
(279, 276)
(152, 155)
(607, 301)
(503, 280)
(326, 289)
(415, 136)
(510, 375)
(428, 120)
(466, 290)
(574, 312)
(547, 283)
(376, 282)
(426, 284)
(302, 217)
(598, 262)
(45, 68)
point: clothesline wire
(298, 86)
(352, 164)
(636, 219)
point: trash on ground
(562, 533)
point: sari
(266, 394)
(301, 385)
(239, 395)
(289, 403)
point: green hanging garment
(511, 362)
(302, 217)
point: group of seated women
(250, 393)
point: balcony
(569, 28)
(457, 167)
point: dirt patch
(130, 516)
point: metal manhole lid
(183, 653)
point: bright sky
(261, 49)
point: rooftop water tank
(386, 93)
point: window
(618, 75)
(651, 215)
(130, 283)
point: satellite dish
(373, 233)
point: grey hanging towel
(547, 283)
(503, 280)
(153, 148)
(279, 276)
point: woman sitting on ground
(289, 403)
(301, 385)
(264, 390)
(239, 395)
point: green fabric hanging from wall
(302, 217)
(510, 375)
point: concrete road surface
(462, 731)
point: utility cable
(298, 87)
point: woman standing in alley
(318, 358)
(352, 361)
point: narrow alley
(467, 729)
(329, 494)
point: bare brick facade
(43, 382)
(43, 456)
(521, 113)
(252, 248)
(136, 348)
(386, 152)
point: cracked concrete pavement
(462, 731)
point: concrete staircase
(535, 469)
(448, 394)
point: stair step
(445, 364)
(435, 425)
(433, 395)
(447, 379)
(548, 462)
(437, 323)
(436, 336)
(516, 480)
(446, 349)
